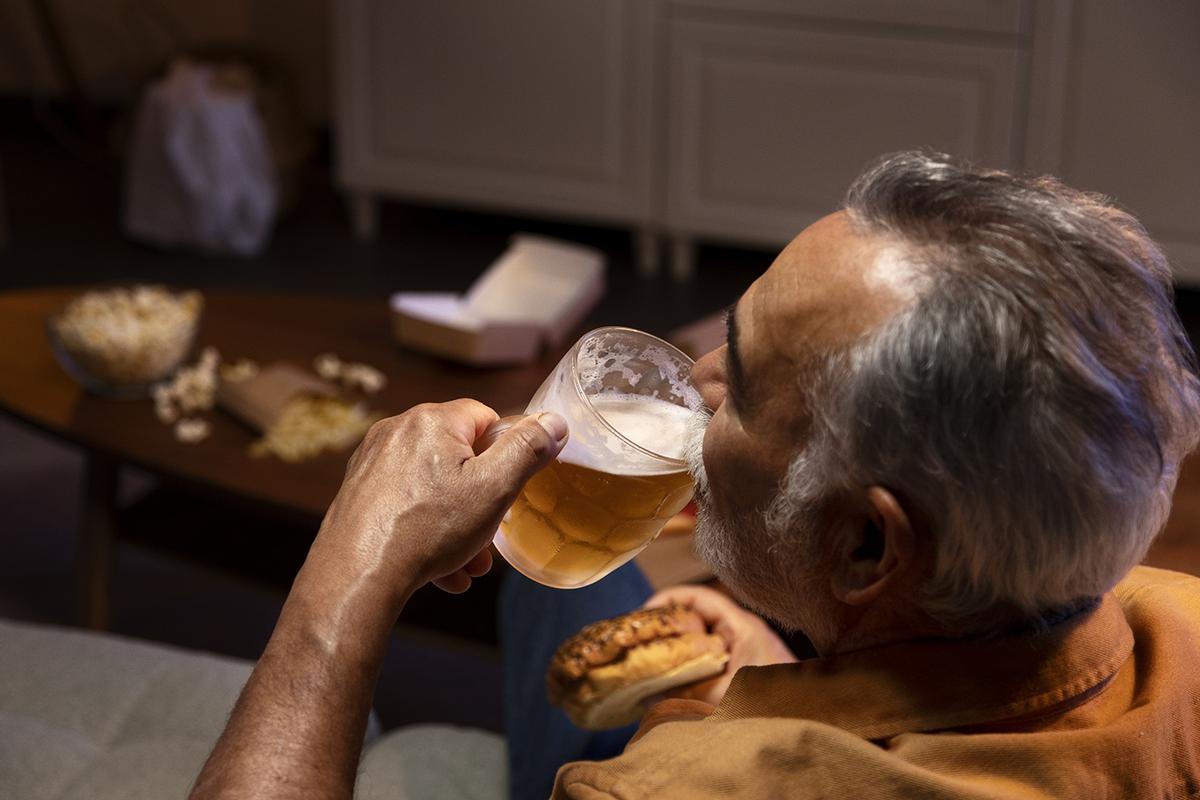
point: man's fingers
(722, 616)
(472, 415)
(675, 594)
(480, 564)
(454, 583)
(459, 581)
(521, 451)
(708, 603)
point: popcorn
(307, 426)
(241, 370)
(310, 425)
(190, 431)
(328, 366)
(166, 411)
(193, 388)
(351, 375)
(210, 357)
(127, 337)
(362, 377)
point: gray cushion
(99, 717)
(84, 715)
(434, 762)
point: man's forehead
(831, 284)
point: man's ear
(872, 556)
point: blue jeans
(534, 621)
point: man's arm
(416, 506)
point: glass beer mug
(627, 397)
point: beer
(577, 521)
(627, 397)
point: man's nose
(708, 376)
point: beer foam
(652, 424)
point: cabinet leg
(97, 531)
(3, 215)
(364, 216)
(683, 259)
(647, 249)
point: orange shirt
(1104, 705)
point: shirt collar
(931, 685)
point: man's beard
(713, 542)
(772, 573)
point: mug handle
(489, 436)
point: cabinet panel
(979, 16)
(528, 104)
(1131, 118)
(768, 126)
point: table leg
(683, 259)
(364, 215)
(97, 531)
(646, 247)
(3, 215)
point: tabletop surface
(266, 327)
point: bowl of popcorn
(118, 342)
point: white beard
(770, 574)
(693, 451)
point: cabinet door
(768, 125)
(1125, 119)
(527, 104)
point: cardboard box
(259, 401)
(535, 295)
(701, 337)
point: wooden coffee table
(270, 326)
(264, 326)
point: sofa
(88, 716)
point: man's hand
(751, 642)
(417, 505)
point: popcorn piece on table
(241, 370)
(192, 389)
(210, 358)
(165, 410)
(328, 366)
(190, 431)
(350, 374)
(195, 388)
(363, 377)
(309, 425)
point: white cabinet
(527, 105)
(1116, 109)
(770, 123)
(745, 120)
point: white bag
(200, 170)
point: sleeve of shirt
(578, 791)
(672, 710)
(581, 780)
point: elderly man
(945, 428)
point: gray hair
(1032, 401)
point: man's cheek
(741, 483)
(725, 482)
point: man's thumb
(523, 449)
